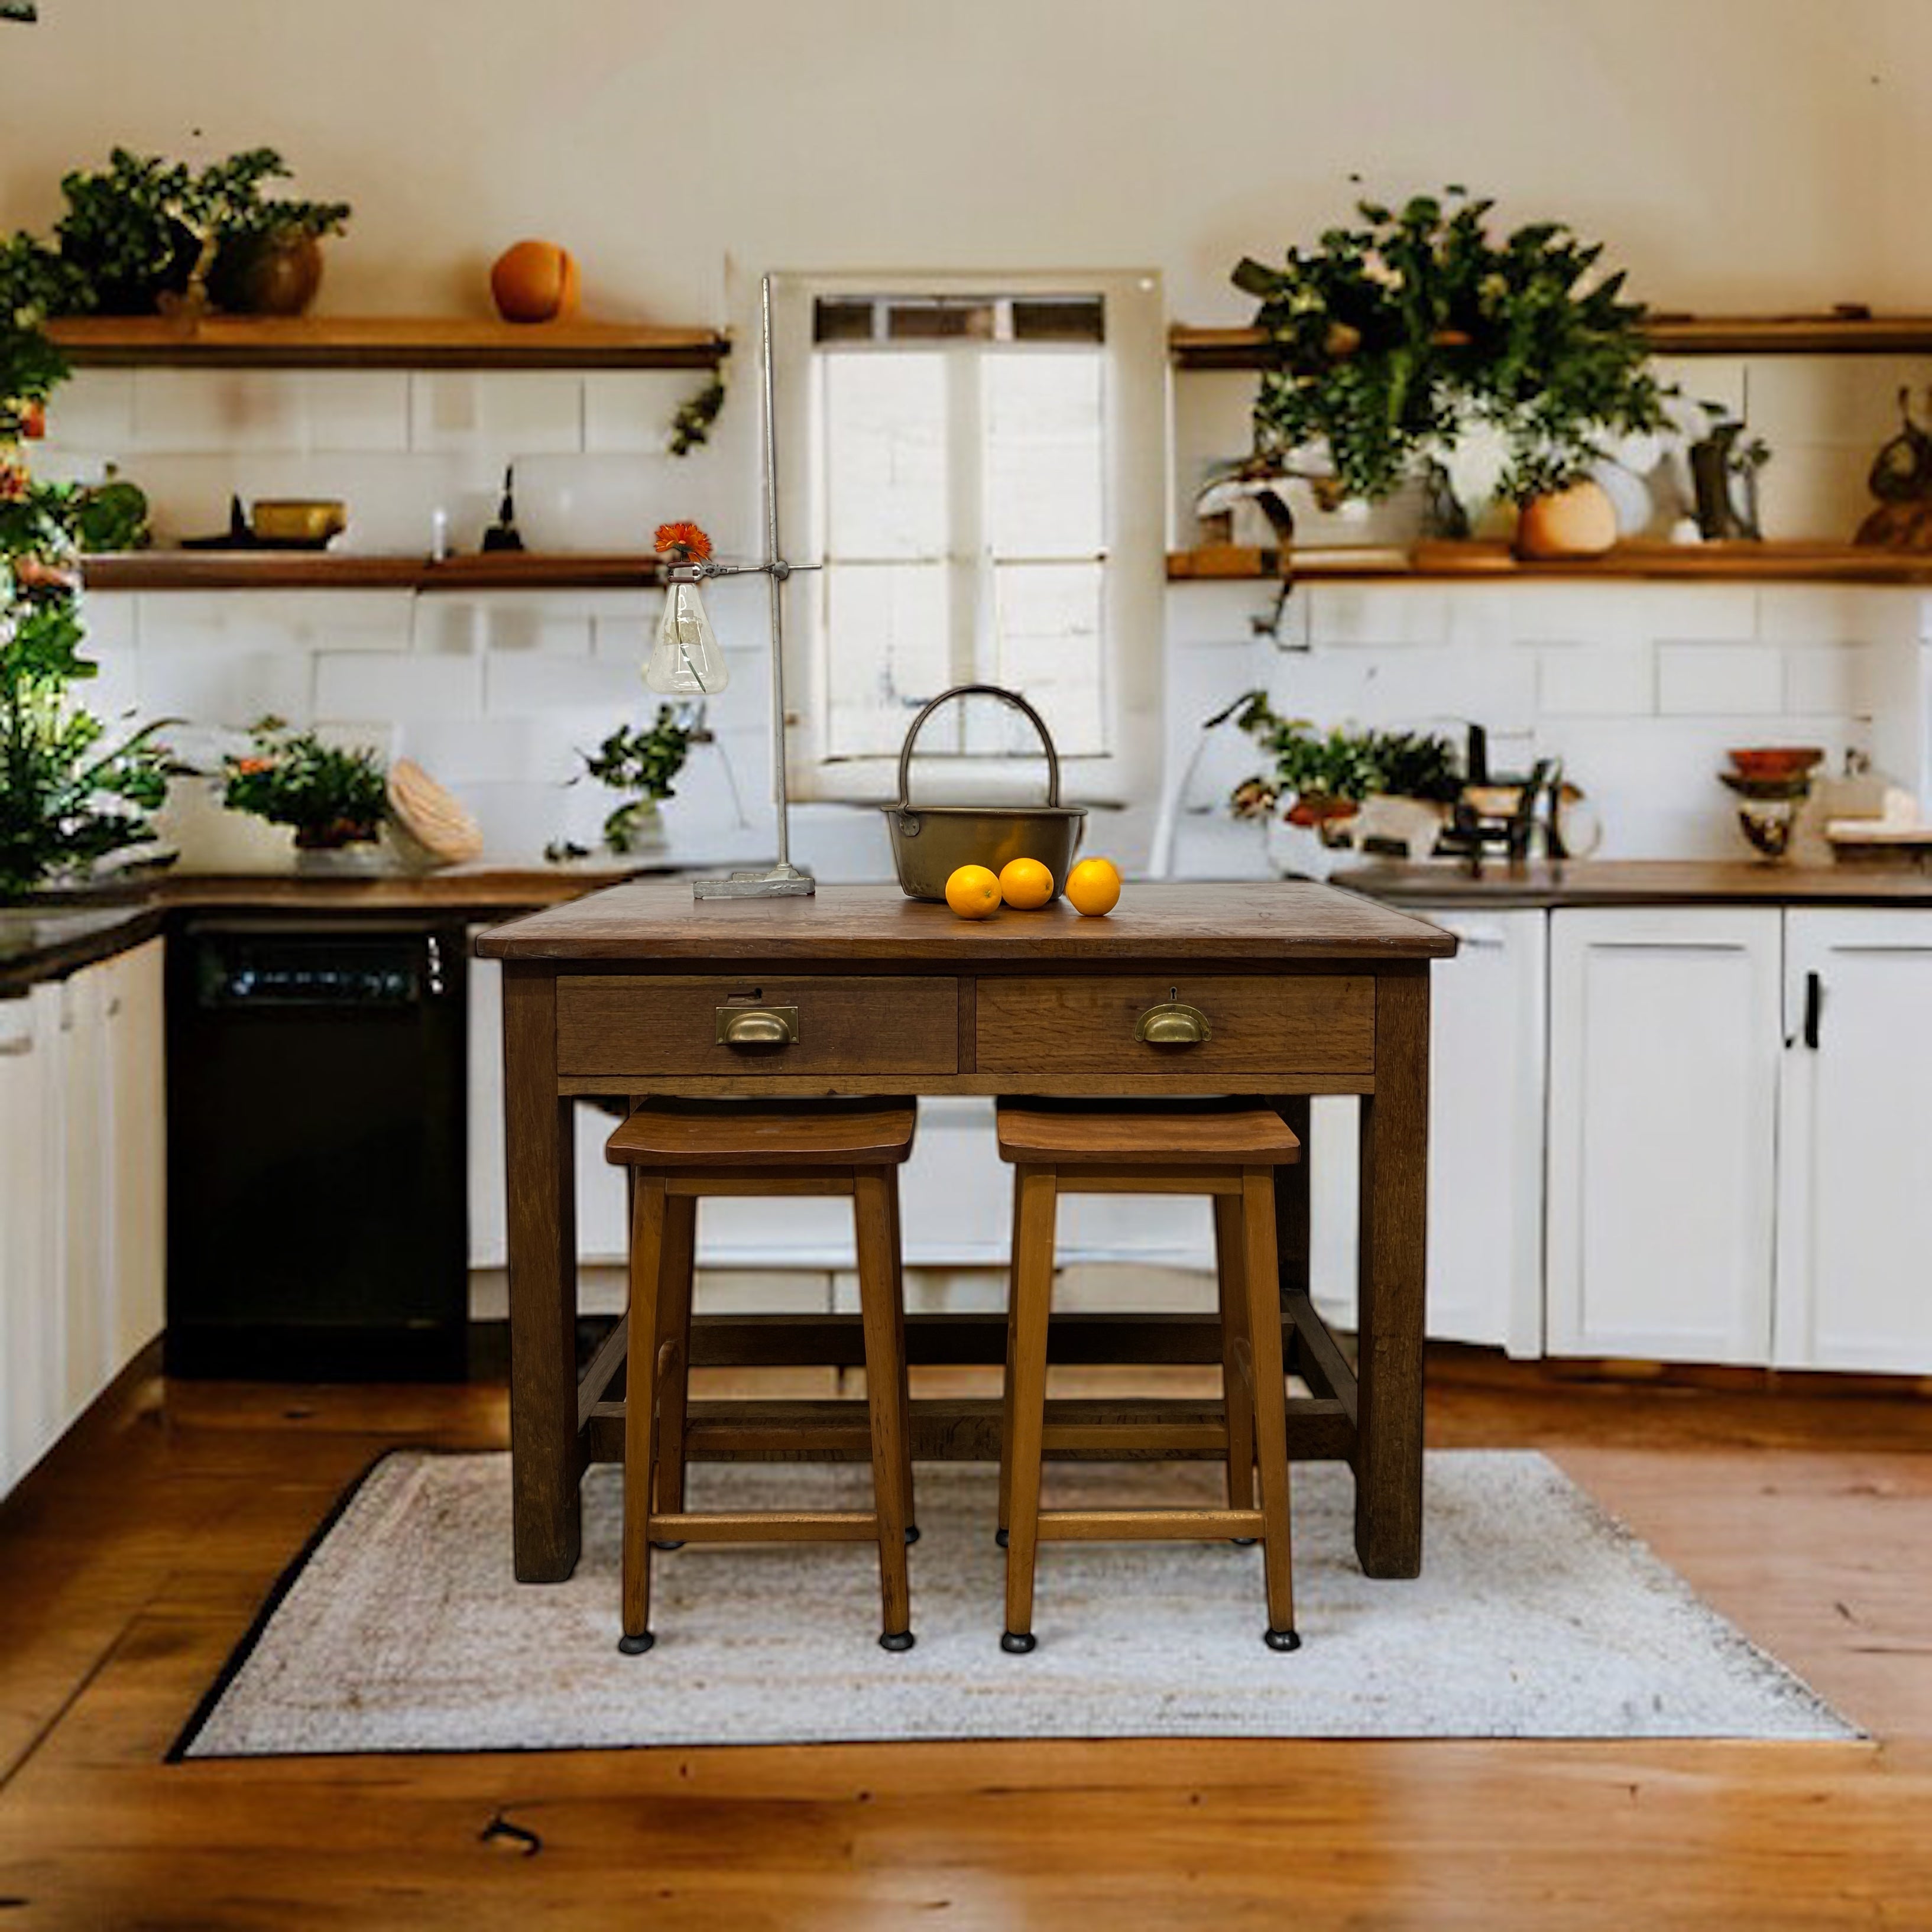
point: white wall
(1740, 153)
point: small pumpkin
(1579, 521)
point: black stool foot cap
(1285, 1639)
(636, 1646)
(897, 1640)
(912, 1532)
(1017, 1643)
(1244, 1542)
(656, 1544)
(999, 1537)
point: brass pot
(931, 842)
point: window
(965, 463)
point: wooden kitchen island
(1306, 990)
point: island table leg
(545, 1459)
(1392, 1276)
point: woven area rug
(1537, 1616)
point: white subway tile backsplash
(1376, 613)
(352, 684)
(629, 410)
(114, 691)
(1816, 491)
(1846, 400)
(111, 619)
(1827, 614)
(296, 621)
(93, 413)
(499, 415)
(229, 688)
(357, 410)
(1834, 679)
(211, 411)
(1711, 678)
(519, 683)
(1596, 680)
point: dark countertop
(50, 940)
(1633, 882)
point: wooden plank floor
(132, 1561)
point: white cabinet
(1487, 1009)
(82, 1195)
(31, 1224)
(136, 1162)
(1664, 1045)
(1855, 1183)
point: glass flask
(685, 660)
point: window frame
(1133, 582)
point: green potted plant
(1336, 783)
(334, 798)
(1393, 339)
(146, 233)
(640, 763)
(69, 798)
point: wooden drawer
(1256, 1025)
(631, 1025)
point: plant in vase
(1396, 339)
(146, 233)
(1395, 785)
(335, 798)
(69, 797)
(641, 763)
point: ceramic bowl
(1777, 761)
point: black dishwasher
(317, 1222)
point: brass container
(308, 519)
(931, 842)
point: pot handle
(999, 691)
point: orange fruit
(1025, 883)
(1094, 887)
(535, 281)
(973, 892)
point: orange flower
(13, 484)
(683, 540)
(248, 767)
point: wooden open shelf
(1492, 562)
(380, 342)
(323, 570)
(1845, 332)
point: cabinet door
(1855, 1179)
(1487, 1045)
(34, 1228)
(87, 1189)
(137, 1138)
(1664, 1049)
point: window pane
(1048, 634)
(1044, 458)
(886, 654)
(885, 455)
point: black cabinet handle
(1814, 1003)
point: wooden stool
(1229, 1150)
(681, 1151)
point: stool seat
(766, 1133)
(1199, 1133)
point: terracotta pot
(1579, 521)
(268, 274)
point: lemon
(1026, 884)
(1094, 887)
(973, 892)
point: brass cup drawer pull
(757, 1026)
(1174, 1024)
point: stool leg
(674, 1276)
(1006, 1387)
(1231, 1269)
(891, 1177)
(1264, 1285)
(1026, 1376)
(647, 1241)
(884, 1399)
